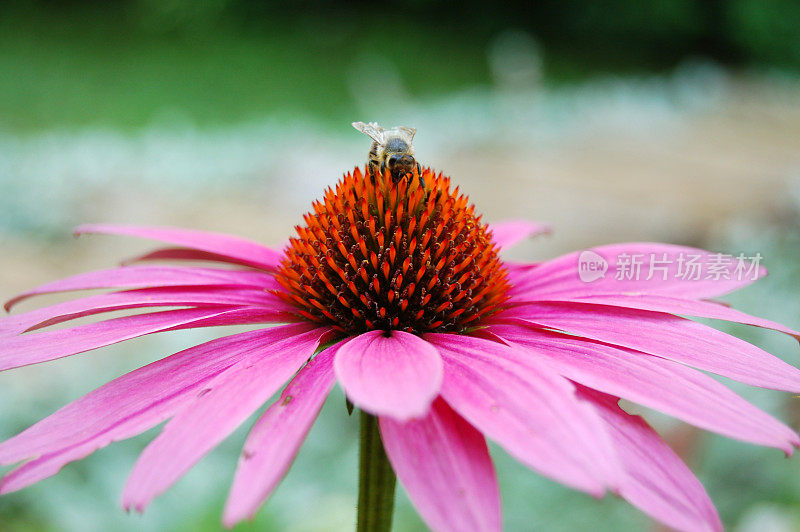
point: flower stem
(376, 480)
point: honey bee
(391, 149)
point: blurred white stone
(515, 60)
(768, 518)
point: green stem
(376, 480)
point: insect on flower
(391, 150)
(394, 288)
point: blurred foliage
(128, 64)
(767, 32)
(70, 70)
(651, 34)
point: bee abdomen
(373, 160)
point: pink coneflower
(396, 292)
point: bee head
(403, 160)
(396, 145)
(398, 156)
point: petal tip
(81, 230)
(598, 491)
(397, 376)
(237, 512)
(130, 506)
(136, 502)
(231, 519)
(406, 415)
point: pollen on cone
(380, 254)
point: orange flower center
(380, 255)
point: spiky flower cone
(379, 254)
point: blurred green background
(125, 64)
(614, 120)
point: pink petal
(182, 254)
(560, 275)
(656, 480)
(666, 336)
(214, 414)
(152, 276)
(511, 232)
(146, 297)
(36, 347)
(519, 269)
(653, 382)
(531, 412)
(684, 307)
(126, 406)
(276, 437)
(445, 467)
(240, 250)
(397, 375)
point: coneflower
(395, 290)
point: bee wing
(410, 131)
(372, 130)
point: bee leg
(419, 172)
(374, 170)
